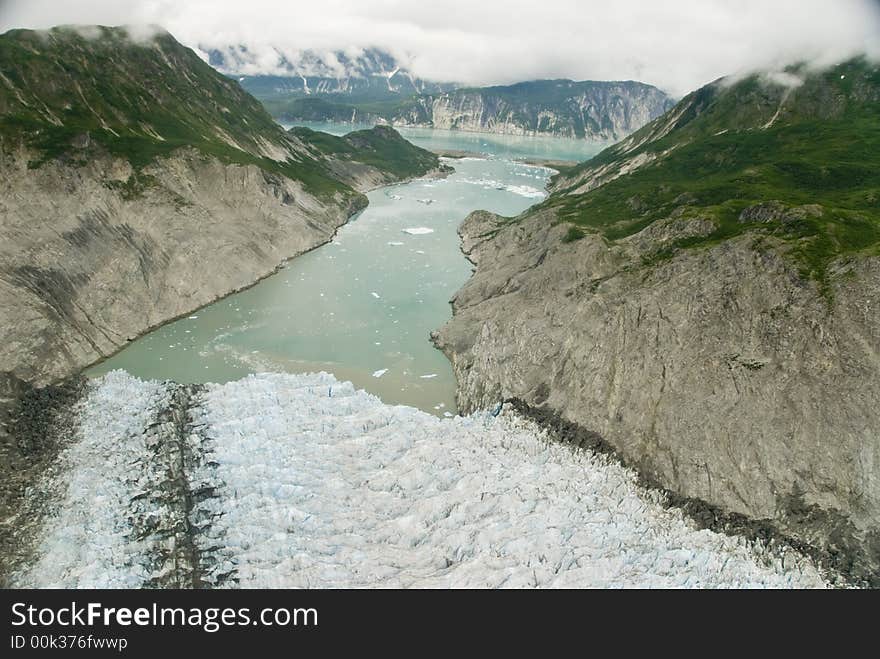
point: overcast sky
(677, 45)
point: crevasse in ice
(326, 486)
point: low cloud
(677, 45)
(784, 79)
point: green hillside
(809, 154)
(67, 91)
(382, 147)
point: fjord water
(362, 307)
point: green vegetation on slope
(67, 90)
(729, 150)
(381, 147)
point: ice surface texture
(325, 486)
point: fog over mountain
(674, 45)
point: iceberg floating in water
(380, 372)
(418, 231)
(526, 191)
(492, 184)
(395, 243)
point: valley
(363, 306)
(547, 334)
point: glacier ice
(322, 485)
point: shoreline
(433, 174)
(550, 163)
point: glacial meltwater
(362, 307)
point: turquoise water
(513, 147)
(363, 306)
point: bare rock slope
(140, 184)
(717, 349)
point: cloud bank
(677, 45)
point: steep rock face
(603, 111)
(585, 110)
(719, 373)
(97, 255)
(107, 268)
(140, 184)
(704, 295)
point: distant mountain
(357, 75)
(371, 86)
(594, 110)
(585, 110)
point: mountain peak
(249, 60)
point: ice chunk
(380, 372)
(418, 231)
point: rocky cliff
(704, 296)
(583, 110)
(140, 184)
(275, 75)
(602, 111)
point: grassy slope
(121, 92)
(381, 147)
(823, 148)
(141, 100)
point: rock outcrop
(726, 343)
(600, 111)
(719, 373)
(123, 210)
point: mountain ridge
(130, 164)
(370, 86)
(705, 291)
(359, 75)
(596, 110)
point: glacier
(304, 481)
